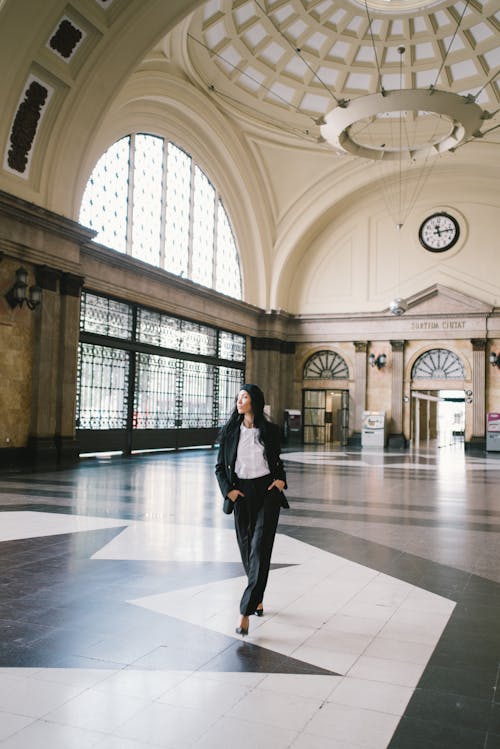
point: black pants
(255, 520)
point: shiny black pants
(255, 520)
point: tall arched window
(326, 365)
(147, 198)
(438, 364)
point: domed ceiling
(284, 65)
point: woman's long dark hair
(260, 421)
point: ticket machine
(493, 432)
(292, 427)
(373, 429)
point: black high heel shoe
(242, 630)
(259, 612)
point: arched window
(326, 365)
(438, 364)
(148, 199)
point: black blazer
(226, 459)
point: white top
(251, 462)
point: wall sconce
(494, 359)
(377, 361)
(19, 294)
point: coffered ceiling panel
(289, 62)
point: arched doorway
(325, 403)
(438, 399)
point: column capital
(397, 345)
(478, 344)
(71, 285)
(360, 347)
(47, 277)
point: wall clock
(439, 232)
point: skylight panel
(340, 50)
(316, 41)
(424, 51)
(215, 34)
(492, 58)
(425, 78)
(365, 54)
(255, 34)
(272, 53)
(480, 32)
(280, 91)
(244, 13)
(296, 29)
(315, 103)
(296, 67)
(252, 78)
(328, 76)
(464, 69)
(358, 81)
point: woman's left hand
(278, 483)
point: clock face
(439, 232)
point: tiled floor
(119, 589)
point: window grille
(155, 392)
(193, 386)
(105, 316)
(326, 365)
(231, 346)
(102, 398)
(197, 392)
(438, 364)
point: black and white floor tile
(119, 589)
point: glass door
(344, 417)
(314, 417)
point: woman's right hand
(234, 494)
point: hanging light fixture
(403, 130)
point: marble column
(396, 437)
(478, 437)
(360, 364)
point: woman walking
(252, 478)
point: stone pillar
(478, 438)
(41, 443)
(52, 438)
(272, 369)
(360, 348)
(396, 436)
(70, 288)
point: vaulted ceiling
(287, 63)
(245, 86)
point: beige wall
(359, 261)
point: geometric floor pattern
(119, 589)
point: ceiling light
(363, 126)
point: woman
(251, 478)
